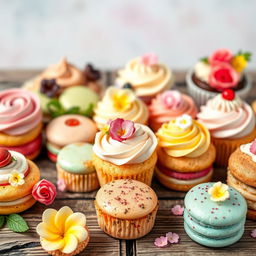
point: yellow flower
(239, 63)
(62, 230)
(184, 121)
(219, 192)
(105, 129)
(16, 178)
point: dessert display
(168, 106)
(75, 169)
(63, 232)
(120, 103)
(242, 175)
(214, 214)
(230, 121)
(126, 209)
(185, 154)
(68, 129)
(20, 122)
(146, 76)
(221, 70)
(125, 150)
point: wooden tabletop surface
(100, 243)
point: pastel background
(35, 33)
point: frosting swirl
(19, 111)
(147, 80)
(191, 141)
(19, 163)
(121, 103)
(227, 118)
(134, 150)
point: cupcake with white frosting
(124, 150)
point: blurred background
(36, 33)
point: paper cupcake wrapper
(201, 96)
(79, 182)
(126, 229)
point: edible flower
(171, 99)
(220, 55)
(62, 230)
(177, 210)
(253, 233)
(173, 238)
(184, 121)
(16, 178)
(161, 241)
(61, 185)
(219, 192)
(239, 63)
(149, 59)
(253, 147)
(120, 129)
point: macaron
(75, 168)
(214, 214)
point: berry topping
(127, 86)
(253, 147)
(228, 94)
(72, 122)
(49, 87)
(91, 74)
(5, 157)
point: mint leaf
(2, 221)
(204, 59)
(16, 223)
(247, 56)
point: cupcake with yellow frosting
(121, 103)
(185, 154)
(146, 76)
(124, 150)
(231, 123)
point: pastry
(126, 209)
(254, 106)
(146, 76)
(17, 179)
(169, 105)
(242, 175)
(125, 150)
(75, 168)
(68, 129)
(221, 70)
(63, 232)
(185, 154)
(121, 103)
(20, 122)
(230, 121)
(214, 214)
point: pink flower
(171, 99)
(44, 192)
(161, 241)
(223, 76)
(253, 233)
(121, 129)
(149, 59)
(221, 55)
(61, 185)
(177, 210)
(253, 147)
(173, 238)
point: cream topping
(202, 71)
(16, 202)
(245, 148)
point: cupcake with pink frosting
(230, 121)
(168, 106)
(20, 122)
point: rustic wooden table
(100, 243)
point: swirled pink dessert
(169, 105)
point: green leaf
(204, 59)
(2, 221)
(16, 223)
(247, 55)
(89, 111)
(55, 108)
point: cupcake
(121, 103)
(242, 174)
(146, 76)
(254, 106)
(124, 150)
(126, 209)
(75, 169)
(185, 154)
(222, 70)
(18, 176)
(20, 122)
(168, 106)
(214, 214)
(230, 121)
(68, 129)
(63, 232)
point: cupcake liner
(125, 229)
(79, 182)
(201, 96)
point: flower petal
(79, 232)
(46, 231)
(52, 245)
(71, 243)
(75, 219)
(61, 217)
(128, 127)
